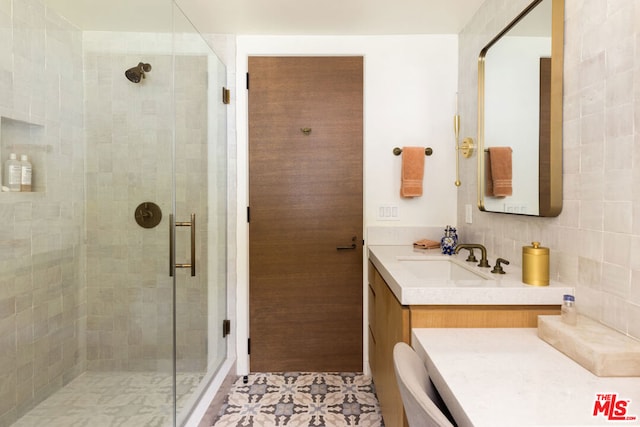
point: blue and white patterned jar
(449, 240)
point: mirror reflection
(520, 115)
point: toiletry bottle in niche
(568, 312)
(12, 173)
(26, 173)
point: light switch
(388, 213)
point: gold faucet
(498, 268)
(484, 262)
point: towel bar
(427, 151)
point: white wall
(410, 85)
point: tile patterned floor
(301, 399)
(109, 399)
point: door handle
(172, 260)
(351, 247)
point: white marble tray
(602, 350)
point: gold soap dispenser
(535, 265)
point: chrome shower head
(136, 73)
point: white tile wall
(129, 161)
(48, 335)
(595, 242)
(42, 297)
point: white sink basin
(444, 269)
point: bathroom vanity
(411, 288)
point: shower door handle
(172, 253)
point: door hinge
(247, 81)
(249, 346)
(248, 214)
(226, 327)
(226, 95)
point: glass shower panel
(119, 107)
(93, 333)
(217, 219)
(129, 136)
(200, 186)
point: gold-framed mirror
(520, 114)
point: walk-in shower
(137, 73)
(93, 329)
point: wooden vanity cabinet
(391, 322)
(388, 324)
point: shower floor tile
(105, 399)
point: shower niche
(24, 137)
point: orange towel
(426, 244)
(499, 172)
(488, 179)
(412, 171)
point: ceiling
(276, 17)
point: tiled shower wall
(595, 242)
(44, 284)
(129, 138)
(129, 161)
(42, 296)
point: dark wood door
(305, 197)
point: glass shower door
(129, 134)
(200, 205)
(126, 114)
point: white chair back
(419, 396)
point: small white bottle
(12, 173)
(568, 312)
(26, 173)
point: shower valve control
(148, 215)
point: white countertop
(497, 289)
(510, 377)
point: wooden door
(305, 197)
